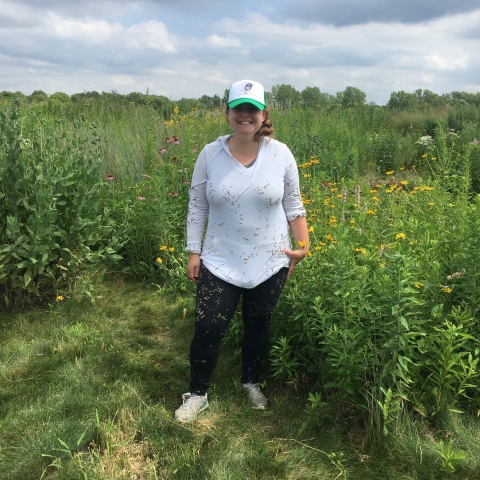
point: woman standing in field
(246, 184)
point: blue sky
(187, 48)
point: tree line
(281, 96)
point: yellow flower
(323, 244)
(433, 158)
(176, 109)
(399, 236)
(404, 182)
(333, 190)
(452, 204)
(59, 298)
(402, 169)
(159, 260)
(391, 172)
(373, 190)
(318, 248)
(171, 249)
(163, 247)
(307, 175)
(309, 254)
(419, 285)
(330, 237)
(302, 243)
(446, 289)
(361, 250)
(431, 204)
(310, 230)
(424, 155)
(375, 199)
(370, 212)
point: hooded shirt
(248, 211)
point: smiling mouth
(245, 123)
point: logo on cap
(248, 87)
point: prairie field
(373, 365)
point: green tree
(38, 96)
(351, 97)
(285, 95)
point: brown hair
(266, 130)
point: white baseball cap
(246, 91)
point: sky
(188, 48)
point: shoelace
(190, 401)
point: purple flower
(163, 150)
(109, 177)
(141, 197)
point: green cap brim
(235, 103)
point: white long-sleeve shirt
(248, 211)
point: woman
(246, 184)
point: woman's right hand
(193, 267)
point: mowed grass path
(89, 392)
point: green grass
(89, 392)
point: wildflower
(310, 230)
(186, 182)
(163, 150)
(446, 289)
(391, 172)
(375, 199)
(174, 160)
(424, 155)
(159, 260)
(431, 204)
(361, 250)
(176, 109)
(307, 175)
(402, 169)
(474, 142)
(309, 254)
(400, 236)
(452, 204)
(333, 190)
(370, 212)
(412, 167)
(344, 194)
(433, 158)
(329, 237)
(141, 197)
(194, 150)
(318, 248)
(167, 139)
(461, 273)
(302, 243)
(59, 298)
(163, 247)
(173, 194)
(404, 182)
(419, 285)
(373, 190)
(110, 177)
(357, 195)
(426, 141)
(324, 184)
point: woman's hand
(193, 266)
(296, 256)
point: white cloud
(216, 41)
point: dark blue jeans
(216, 303)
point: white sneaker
(258, 401)
(191, 407)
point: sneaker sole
(260, 407)
(184, 420)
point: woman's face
(245, 119)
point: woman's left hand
(296, 256)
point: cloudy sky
(187, 48)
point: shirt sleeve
(292, 200)
(198, 205)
